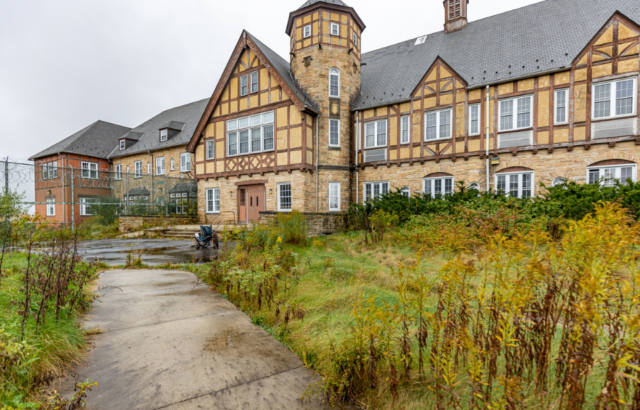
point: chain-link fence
(68, 195)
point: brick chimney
(455, 15)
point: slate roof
(97, 140)
(283, 68)
(539, 38)
(312, 2)
(174, 125)
(148, 135)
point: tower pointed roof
(312, 2)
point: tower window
(454, 9)
(334, 83)
(355, 39)
(335, 29)
(307, 31)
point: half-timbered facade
(542, 94)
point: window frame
(160, 160)
(406, 191)
(183, 163)
(566, 107)
(557, 181)
(50, 207)
(380, 185)
(84, 204)
(432, 185)
(331, 122)
(210, 147)
(135, 169)
(336, 25)
(355, 39)
(123, 145)
(245, 79)
(214, 201)
(172, 166)
(375, 134)
(514, 114)
(118, 173)
(164, 135)
(333, 71)
(90, 170)
(264, 124)
(304, 31)
(252, 83)
(471, 107)
(333, 185)
(438, 125)
(507, 191)
(618, 167)
(612, 98)
(402, 129)
(279, 198)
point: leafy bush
(106, 209)
(292, 227)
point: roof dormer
(455, 15)
(170, 130)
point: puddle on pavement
(224, 340)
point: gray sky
(67, 63)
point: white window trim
(431, 181)
(634, 173)
(330, 144)
(173, 164)
(83, 206)
(612, 105)
(51, 207)
(566, 107)
(164, 135)
(372, 183)
(375, 134)
(304, 31)
(135, 169)
(515, 113)
(337, 26)
(91, 167)
(334, 71)
(123, 145)
(438, 137)
(183, 163)
(262, 126)
(474, 185)
(355, 39)
(160, 163)
(213, 144)
(246, 78)
(215, 208)
(406, 191)
(118, 175)
(333, 184)
(533, 182)
(279, 187)
(562, 180)
(149, 167)
(257, 83)
(479, 119)
(408, 117)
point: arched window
(474, 185)
(406, 191)
(559, 181)
(607, 172)
(334, 83)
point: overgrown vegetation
(472, 301)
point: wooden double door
(251, 201)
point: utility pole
(6, 176)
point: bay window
(437, 187)
(437, 125)
(516, 113)
(517, 185)
(607, 176)
(373, 190)
(375, 134)
(614, 99)
(249, 135)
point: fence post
(6, 175)
(166, 194)
(151, 202)
(73, 203)
(126, 199)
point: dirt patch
(224, 340)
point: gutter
(317, 154)
(357, 135)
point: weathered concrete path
(169, 343)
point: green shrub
(106, 209)
(292, 227)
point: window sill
(438, 139)
(284, 210)
(560, 124)
(250, 153)
(212, 212)
(475, 135)
(378, 147)
(334, 211)
(613, 118)
(515, 130)
(334, 148)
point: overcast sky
(65, 64)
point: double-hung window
(474, 119)
(335, 29)
(123, 145)
(307, 31)
(614, 99)
(211, 149)
(561, 107)
(254, 82)
(85, 206)
(185, 162)
(164, 135)
(160, 166)
(373, 190)
(244, 88)
(51, 207)
(516, 113)
(375, 134)
(438, 125)
(334, 83)
(517, 185)
(334, 196)
(404, 129)
(250, 134)
(118, 172)
(173, 164)
(284, 197)
(149, 167)
(607, 176)
(137, 166)
(334, 133)
(213, 200)
(89, 170)
(45, 171)
(437, 187)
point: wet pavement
(153, 251)
(167, 342)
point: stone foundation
(134, 223)
(317, 223)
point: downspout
(357, 136)
(64, 207)
(486, 139)
(317, 154)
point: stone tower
(325, 48)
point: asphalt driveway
(170, 343)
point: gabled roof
(97, 140)
(148, 134)
(277, 67)
(542, 37)
(312, 2)
(174, 125)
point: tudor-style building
(541, 94)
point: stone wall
(317, 223)
(134, 223)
